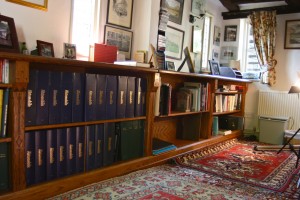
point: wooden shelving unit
(165, 127)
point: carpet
(238, 161)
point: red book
(105, 53)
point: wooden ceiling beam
(230, 5)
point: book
(140, 95)
(99, 136)
(111, 97)
(90, 97)
(51, 163)
(160, 146)
(121, 96)
(130, 98)
(31, 100)
(55, 97)
(40, 156)
(100, 96)
(215, 126)
(79, 148)
(30, 157)
(144, 91)
(78, 97)
(42, 108)
(165, 99)
(132, 63)
(105, 53)
(66, 97)
(4, 113)
(1, 106)
(5, 71)
(109, 144)
(61, 152)
(90, 147)
(4, 169)
(189, 128)
(71, 150)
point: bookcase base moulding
(188, 131)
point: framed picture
(69, 51)
(38, 4)
(119, 38)
(217, 36)
(170, 65)
(228, 53)
(292, 34)
(214, 67)
(8, 35)
(174, 43)
(197, 7)
(197, 39)
(119, 12)
(175, 9)
(230, 33)
(45, 48)
(215, 54)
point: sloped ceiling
(235, 9)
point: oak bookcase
(163, 127)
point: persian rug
(238, 161)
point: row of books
(4, 101)
(193, 97)
(4, 169)
(4, 71)
(63, 97)
(56, 153)
(228, 102)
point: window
(251, 62)
(206, 41)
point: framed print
(119, 12)
(215, 54)
(217, 36)
(170, 65)
(228, 53)
(175, 9)
(8, 35)
(45, 48)
(38, 4)
(214, 67)
(174, 43)
(119, 38)
(230, 33)
(197, 7)
(197, 39)
(69, 51)
(292, 34)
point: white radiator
(279, 103)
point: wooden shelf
(5, 85)
(2, 140)
(226, 113)
(177, 113)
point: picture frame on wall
(228, 53)
(292, 34)
(69, 51)
(175, 9)
(45, 48)
(120, 38)
(197, 39)
(197, 7)
(8, 35)
(217, 35)
(37, 4)
(174, 43)
(230, 33)
(119, 13)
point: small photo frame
(175, 9)
(230, 33)
(69, 51)
(214, 67)
(217, 35)
(45, 48)
(120, 13)
(8, 35)
(292, 34)
(170, 65)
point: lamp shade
(294, 89)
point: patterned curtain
(264, 33)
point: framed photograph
(38, 4)
(215, 54)
(228, 53)
(214, 67)
(174, 43)
(8, 35)
(119, 12)
(45, 48)
(197, 39)
(119, 38)
(170, 65)
(217, 36)
(292, 34)
(69, 51)
(175, 9)
(197, 7)
(230, 33)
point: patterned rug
(239, 161)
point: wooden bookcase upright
(161, 127)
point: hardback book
(1, 105)
(109, 144)
(66, 97)
(160, 146)
(55, 99)
(189, 128)
(99, 136)
(30, 157)
(40, 156)
(157, 100)
(165, 99)
(5, 71)
(111, 97)
(31, 100)
(231, 122)
(183, 100)
(100, 96)
(61, 152)
(215, 126)
(130, 99)
(140, 96)
(144, 90)
(90, 97)
(4, 113)
(78, 97)
(4, 169)
(51, 163)
(90, 147)
(42, 108)
(121, 96)
(1, 69)
(79, 149)
(71, 150)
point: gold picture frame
(37, 4)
